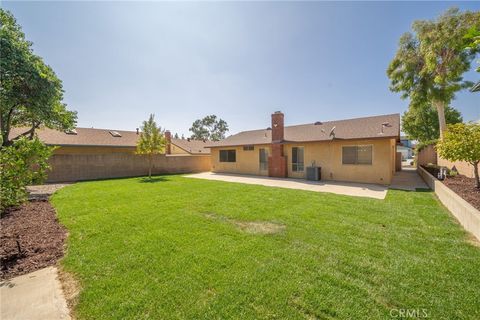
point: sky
(315, 61)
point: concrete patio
(408, 179)
(344, 188)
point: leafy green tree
(30, 93)
(430, 62)
(209, 128)
(23, 163)
(421, 123)
(472, 40)
(461, 142)
(151, 142)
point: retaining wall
(466, 214)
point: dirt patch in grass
(259, 227)
(253, 227)
(71, 289)
(31, 239)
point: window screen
(349, 155)
(297, 159)
(263, 157)
(357, 155)
(364, 155)
(228, 156)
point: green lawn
(182, 248)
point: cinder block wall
(76, 167)
(462, 167)
(427, 155)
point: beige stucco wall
(248, 162)
(327, 155)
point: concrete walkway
(408, 179)
(37, 295)
(44, 191)
(343, 188)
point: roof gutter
(307, 141)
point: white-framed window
(297, 159)
(362, 154)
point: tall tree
(430, 62)
(461, 143)
(421, 123)
(30, 92)
(209, 128)
(472, 40)
(151, 142)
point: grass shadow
(423, 190)
(153, 179)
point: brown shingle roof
(193, 146)
(84, 137)
(358, 128)
(103, 138)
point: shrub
(452, 173)
(23, 163)
(461, 143)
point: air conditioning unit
(314, 173)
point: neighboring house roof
(193, 146)
(104, 138)
(384, 126)
(83, 137)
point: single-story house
(358, 150)
(99, 141)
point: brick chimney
(277, 127)
(277, 162)
(168, 140)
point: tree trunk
(32, 131)
(440, 106)
(5, 127)
(475, 172)
(150, 167)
